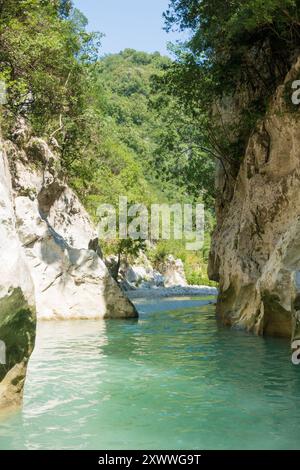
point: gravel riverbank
(172, 292)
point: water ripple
(173, 379)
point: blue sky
(137, 24)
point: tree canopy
(234, 46)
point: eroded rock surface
(17, 303)
(50, 259)
(256, 247)
(173, 272)
(141, 274)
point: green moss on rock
(17, 329)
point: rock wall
(51, 264)
(17, 304)
(256, 246)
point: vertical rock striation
(255, 252)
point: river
(174, 379)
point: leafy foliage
(43, 50)
(154, 126)
(234, 45)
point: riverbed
(174, 379)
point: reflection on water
(172, 379)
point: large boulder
(142, 277)
(70, 282)
(50, 257)
(139, 274)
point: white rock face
(17, 313)
(173, 272)
(49, 257)
(142, 275)
(68, 216)
(139, 275)
(60, 242)
(69, 282)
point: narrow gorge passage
(149, 230)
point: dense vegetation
(143, 155)
(117, 130)
(237, 47)
(139, 124)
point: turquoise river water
(174, 379)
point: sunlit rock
(256, 250)
(17, 303)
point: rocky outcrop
(140, 274)
(173, 272)
(50, 259)
(143, 277)
(256, 249)
(58, 239)
(17, 303)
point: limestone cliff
(17, 311)
(256, 246)
(50, 262)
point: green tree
(43, 52)
(234, 45)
